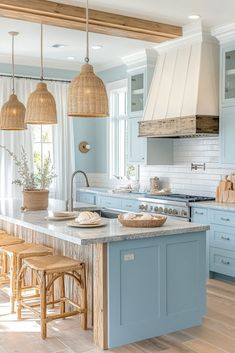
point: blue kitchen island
(141, 282)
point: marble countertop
(112, 231)
(214, 205)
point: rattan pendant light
(12, 116)
(41, 106)
(87, 95)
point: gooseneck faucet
(72, 179)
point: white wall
(179, 176)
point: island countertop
(113, 231)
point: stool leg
(12, 282)
(20, 280)
(52, 292)
(43, 307)
(62, 294)
(84, 299)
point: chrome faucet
(72, 179)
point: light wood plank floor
(216, 335)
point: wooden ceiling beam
(73, 17)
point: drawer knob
(225, 219)
(200, 213)
(224, 262)
(224, 237)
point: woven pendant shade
(87, 95)
(41, 107)
(12, 114)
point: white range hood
(184, 95)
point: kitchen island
(141, 282)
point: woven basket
(35, 199)
(87, 95)
(157, 221)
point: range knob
(165, 210)
(150, 208)
(170, 211)
(156, 209)
(160, 209)
(183, 213)
(175, 212)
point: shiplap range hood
(183, 99)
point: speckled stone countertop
(112, 231)
(214, 205)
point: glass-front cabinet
(137, 92)
(228, 75)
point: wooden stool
(16, 254)
(2, 231)
(6, 239)
(49, 269)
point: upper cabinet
(228, 74)
(137, 94)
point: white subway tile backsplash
(179, 176)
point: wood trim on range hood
(73, 17)
(190, 126)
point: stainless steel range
(174, 205)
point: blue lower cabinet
(130, 205)
(201, 216)
(155, 286)
(109, 202)
(87, 197)
(222, 261)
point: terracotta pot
(35, 199)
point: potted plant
(35, 184)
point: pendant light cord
(87, 34)
(13, 63)
(42, 73)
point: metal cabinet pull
(225, 262)
(224, 237)
(199, 213)
(225, 219)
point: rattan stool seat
(54, 263)
(10, 240)
(26, 249)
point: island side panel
(100, 296)
(61, 247)
(155, 286)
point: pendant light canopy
(87, 93)
(41, 106)
(12, 116)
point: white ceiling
(212, 12)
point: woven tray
(157, 221)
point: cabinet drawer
(199, 215)
(86, 197)
(222, 217)
(222, 237)
(222, 261)
(130, 205)
(109, 202)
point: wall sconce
(84, 147)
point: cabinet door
(228, 75)
(227, 140)
(136, 145)
(86, 197)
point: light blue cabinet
(86, 197)
(227, 140)
(227, 76)
(109, 202)
(155, 286)
(136, 145)
(200, 216)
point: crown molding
(143, 58)
(224, 33)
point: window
(42, 143)
(117, 128)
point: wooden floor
(216, 335)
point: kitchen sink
(103, 212)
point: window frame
(115, 85)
